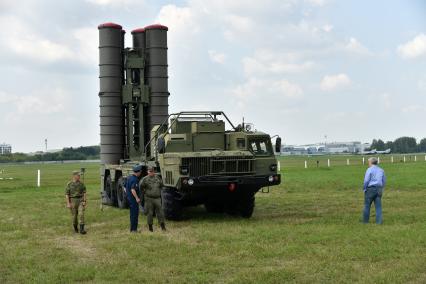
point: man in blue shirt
(133, 193)
(374, 182)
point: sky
(302, 69)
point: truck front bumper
(257, 181)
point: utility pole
(45, 144)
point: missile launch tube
(111, 43)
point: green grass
(306, 230)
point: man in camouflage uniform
(151, 186)
(75, 195)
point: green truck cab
(202, 163)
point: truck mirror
(161, 145)
(278, 145)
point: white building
(346, 147)
(325, 148)
(5, 149)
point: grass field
(306, 230)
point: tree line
(400, 145)
(79, 153)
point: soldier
(151, 186)
(75, 195)
(133, 193)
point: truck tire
(114, 194)
(121, 195)
(214, 207)
(172, 206)
(110, 197)
(245, 205)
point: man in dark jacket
(133, 193)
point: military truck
(201, 156)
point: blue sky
(351, 70)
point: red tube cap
(156, 27)
(110, 26)
(137, 31)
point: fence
(347, 160)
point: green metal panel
(202, 126)
(208, 141)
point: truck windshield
(260, 146)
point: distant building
(5, 149)
(325, 148)
(346, 147)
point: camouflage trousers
(154, 205)
(77, 211)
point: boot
(163, 226)
(151, 229)
(75, 228)
(82, 231)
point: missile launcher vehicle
(201, 156)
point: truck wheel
(113, 194)
(172, 206)
(245, 205)
(109, 191)
(214, 207)
(121, 195)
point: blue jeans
(373, 194)
(134, 214)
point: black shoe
(82, 231)
(151, 229)
(163, 226)
(75, 228)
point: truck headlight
(273, 167)
(270, 178)
(190, 181)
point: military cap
(76, 173)
(150, 168)
(137, 168)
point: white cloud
(334, 82)
(340, 117)
(86, 41)
(286, 89)
(421, 84)
(265, 89)
(327, 28)
(181, 21)
(46, 102)
(6, 98)
(21, 40)
(238, 25)
(414, 48)
(413, 109)
(265, 62)
(116, 3)
(354, 46)
(385, 100)
(317, 3)
(217, 57)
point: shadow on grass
(199, 214)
